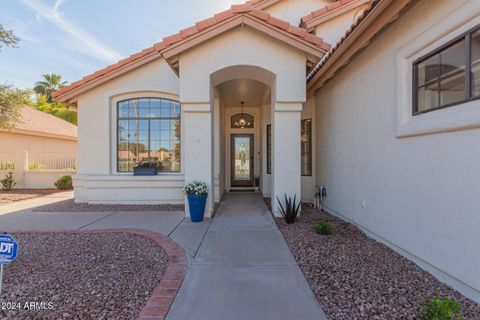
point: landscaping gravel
(23, 194)
(82, 275)
(355, 277)
(71, 206)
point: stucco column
(286, 120)
(197, 146)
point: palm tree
(51, 83)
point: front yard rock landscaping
(356, 277)
(71, 206)
(82, 275)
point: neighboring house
(38, 150)
(384, 115)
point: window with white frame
(148, 129)
(449, 75)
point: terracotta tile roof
(335, 47)
(308, 21)
(37, 121)
(157, 49)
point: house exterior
(39, 150)
(374, 100)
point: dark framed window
(269, 148)
(449, 75)
(306, 147)
(148, 129)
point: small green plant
(35, 166)
(64, 183)
(8, 183)
(7, 166)
(291, 209)
(324, 228)
(441, 308)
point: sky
(77, 37)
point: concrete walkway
(239, 264)
(244, 270)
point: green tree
(11, 101)
(50, 83)
(56, 109)
(7, 38)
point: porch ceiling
(252, 92)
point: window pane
(428, 98)
(428, 71)
(306, 147)
(428, 78)
(155, 108)
(123, 109)
(475, 63)
(133, 108)
(143, 108)
(452, 85)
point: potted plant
(145, 168)
(197, 193)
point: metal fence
(7, 161)
(50, 161)
(37, 161)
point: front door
(242, 160)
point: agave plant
(291, 209)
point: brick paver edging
(164, 293)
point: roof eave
(329, 15)
(385, 12)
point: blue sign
(8, 249)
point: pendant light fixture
(242, 122)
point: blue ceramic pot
(196, 204)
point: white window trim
(459, 117)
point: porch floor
(244, 269)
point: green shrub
(441, 309)
(324, 228)
(64, 183)
(6, 166)
(8, 183)
(36, 166)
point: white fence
(35, 170)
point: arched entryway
(214, 78)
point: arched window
(242, 121)
(148, 130)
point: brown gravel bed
(71, 206)
(7, 197)
(355, 277)
(84, 275)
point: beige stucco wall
(13, 145)
(235, 48)
(97, 180)
(228, 57)
(411, 183)
(12, 142)
(293, 10)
